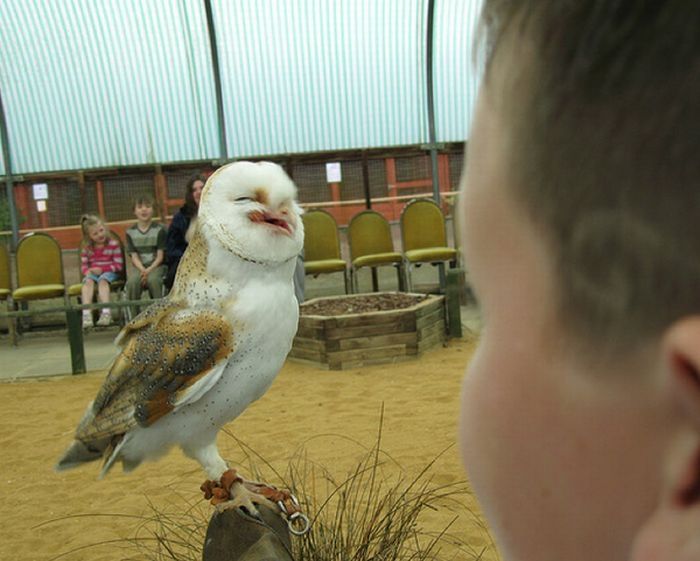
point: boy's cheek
(540, 441)
(486, 443)
(488, 412)
(510, 419)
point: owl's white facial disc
(251, 209)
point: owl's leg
(209, 458)
(224, 486)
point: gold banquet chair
(424, 238)
(371, 245)
(322, 245)
(5, 276)
(6, 287)
(39, 269)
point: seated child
(145, 244)
(580, 424)
(101, 261)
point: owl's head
(251, 209)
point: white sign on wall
(41, 191)
(41, 205)
(333, 174)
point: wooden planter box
(353, 340)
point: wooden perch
(235, 535)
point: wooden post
(335, 192)
(100, 198)
(452, 299)
(75, 339)
(444, 173)
(365, 180)
(160, 188)
(390, 166)
(81, 187)
(21, 193)
(337, 209)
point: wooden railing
(75, 331)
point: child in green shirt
(145, 242)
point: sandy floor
(334, 415)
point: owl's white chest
(265, 320)
(264, 315)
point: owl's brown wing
(170, 355)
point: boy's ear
(672, 533)
(682, 357)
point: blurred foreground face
(563, 459)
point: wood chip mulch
(360, 304)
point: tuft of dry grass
(374, 512)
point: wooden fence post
(452, 299)
(75, 339)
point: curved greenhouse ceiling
(102, 83)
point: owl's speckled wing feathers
(169, 355)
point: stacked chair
(424, 238)
(369, 235)
(322, 245)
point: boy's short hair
(144, 199)
(605, 157)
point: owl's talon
(241, 497)
(219, 491)
(232, 491)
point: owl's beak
(278, 221)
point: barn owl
(196, 359)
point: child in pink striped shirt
(101, 261)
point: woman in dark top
(181, 227)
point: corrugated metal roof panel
(90, 84)
(455, 75)
(116, 82)
(314, 75)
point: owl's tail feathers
(111, 455)
(81, 452)
(77, 454)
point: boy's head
(582, 218)
(143, 207)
